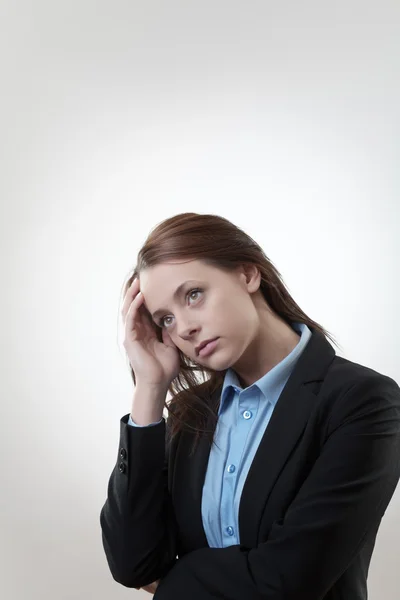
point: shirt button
(121, 467)
(231, 468)
(122, 453)
(247, 414)
(229, 530)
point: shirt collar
(270, 384)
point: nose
(187, 330)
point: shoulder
(344, 374)
(350, 389)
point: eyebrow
(177, 293)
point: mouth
(208, 348)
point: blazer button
(121, 467)
(122, 453)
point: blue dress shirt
(243, 416)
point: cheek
(239, 317)
(224, 322)
(177, 341)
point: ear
(252, 277)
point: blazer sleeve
(339, 504)
(137, 521)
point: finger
(167, 338)
(132, 314)
(131, 292)
(147, 319)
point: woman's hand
(151, 588)
(153, 362)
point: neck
(274, 340)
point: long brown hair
(217, 242)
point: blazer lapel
(285, 427)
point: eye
(190, 292)
(194, 291)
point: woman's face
(212, 303)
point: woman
(278, 459)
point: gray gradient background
(283, 117)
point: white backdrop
(281, 116)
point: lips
(208, 348)
(203, 344)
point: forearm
(138, 529)
(148, 404)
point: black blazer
(320, 482)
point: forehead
(158, 283)
(172, 273)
